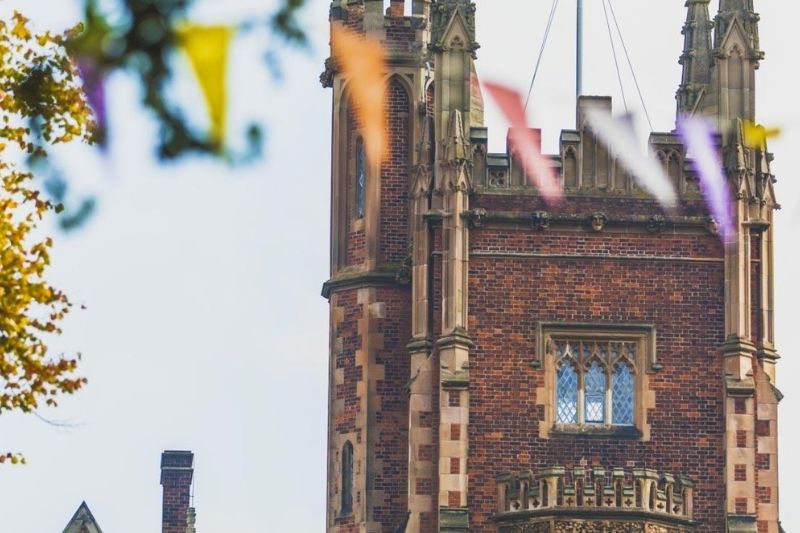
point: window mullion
(609, 400)
(581, 395)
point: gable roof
(83, 521)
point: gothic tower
(499, 365)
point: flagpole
(579, 52)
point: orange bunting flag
(207, 48)
(362, 62)
(526, 142)
(755, 136)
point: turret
(371, 262)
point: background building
(177, 470)
(500, 365)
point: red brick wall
(508, 296)
(391, 448)
(395, 177)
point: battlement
(595, 492)
(584, 164)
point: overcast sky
(205, 329)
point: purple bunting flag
(698, 135)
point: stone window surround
(643, 334)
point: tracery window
(361, 178)
(595, 381)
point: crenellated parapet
(585, 165)
(595, 494)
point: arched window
(361, 178)
(595, 393)
(622, 392)
(347, 479)
(567, 393)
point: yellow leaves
(20, 29)
(13, 458)
(362, 61)
(37, 82)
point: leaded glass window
(361, 178)
(595, 394)
(567, 408)
(622, 394)
(595, 380)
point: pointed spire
(741, 10)
(443, 13)
(696, 57)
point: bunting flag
(755, 136)
(527, 143)
(698, 136)
(362, 61)
(207, 48)
(95, 89)
(620, 138)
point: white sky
(205, 329)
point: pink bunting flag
(95, 89)
(698, 135)
(526, 142)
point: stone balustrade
(595, 490)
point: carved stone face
(713, 226)
(598, 221)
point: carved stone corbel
(477, 217)
(656, 224)
(540, 220)
(598, 221)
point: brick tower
(497, 365)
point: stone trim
(596, 514)
(388, 276)
(612, 330)
(741, 524)
(646, 363)
(601, 257)
(453, 519)
(655, 223)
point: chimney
(177, 469)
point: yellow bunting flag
(362, 62)
(756, 136)
(207, 48)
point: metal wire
(553, 9)
(630, 65)
(614, 53)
